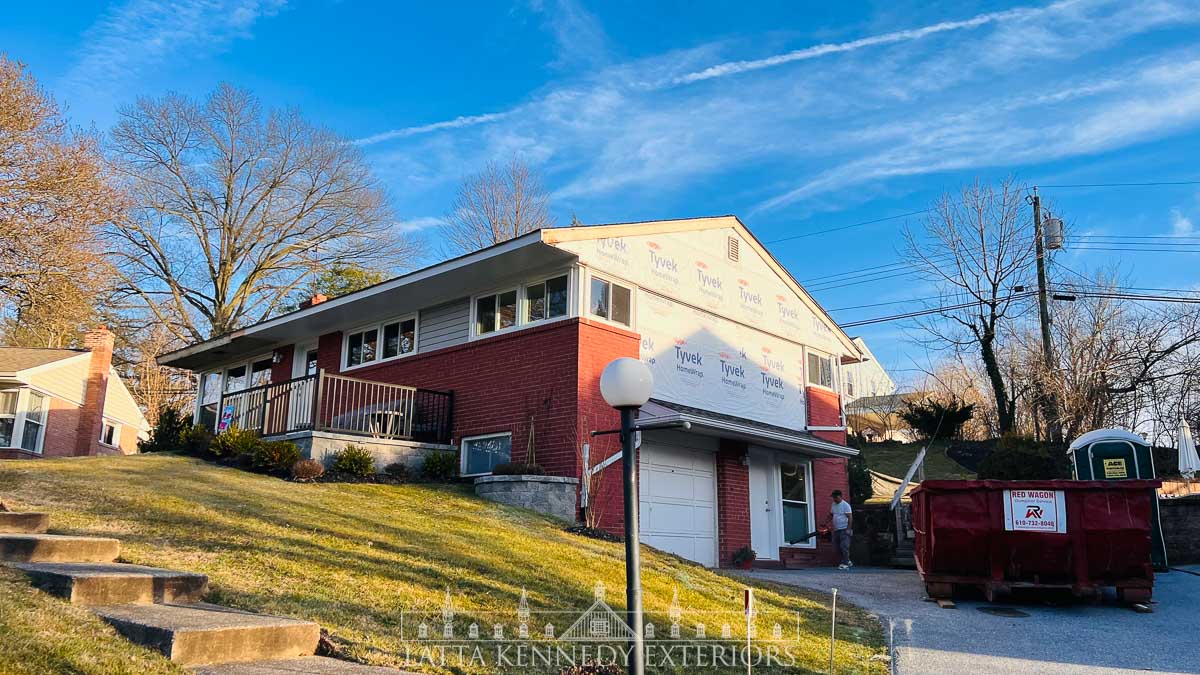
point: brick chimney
(91, 417)
(316, 299)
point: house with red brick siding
(497, 356)
(66, 402)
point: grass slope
(352, 557)
(894, 459)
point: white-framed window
(35, 421)
(496, 312)
(849, 382)
(8, 416)
(381, 342)
(795, 484)
(820, 370)
(110, 434)
(481, 454)
(549, 299)
(610, 301)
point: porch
(336, 404)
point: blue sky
(795, 116)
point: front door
(764, 537)
(300, 395)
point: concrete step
(23, 548)
(202, 634)
(24, 523)
(115, 583)
(314, 665)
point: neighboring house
(66, 402)
(867, 377)
(498, 352)
(877, 418)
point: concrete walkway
(1076, 639)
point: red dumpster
(1000, 535)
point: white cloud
(1181, 225)
(139, 34)
(900, 104)
(418, 224)
(578, 35)
(456, 123)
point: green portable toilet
(1117, 454)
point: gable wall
(717, 334)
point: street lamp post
(626, 384)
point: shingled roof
(16, 359)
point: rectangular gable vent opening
(732, 248)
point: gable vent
(731, 248)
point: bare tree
(236, 207)
(55, 194)
(495, 205)
(975, 248)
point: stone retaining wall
(553, 496)
(319, 445)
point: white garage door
(678, 501)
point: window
(365, 346)
(495, 312)
(260, 372)
(35, 422)
(8, 416)
(546, 300)
(793, 480)
(481, 454)
(110, 434)
(235, 379)
(820, 370)
(611, 301)
(850, 383)
(210, 398)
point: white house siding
(66, 379)
(719, 334)
(870, 378)
(444, 325)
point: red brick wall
(62, 428)
(282, 371)
(599, 344)
(825, 410)
(733, 500)
(501, 382)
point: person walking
(839, 516)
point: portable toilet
(1117, 454)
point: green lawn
(894, 459)
(360, 559)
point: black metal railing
(340, 404)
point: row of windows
(399, 337)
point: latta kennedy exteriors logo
(553, 640)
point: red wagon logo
(1034, 511)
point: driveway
(1072, 639)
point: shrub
(518, 469)
(398, 471)
(167, 435)
(196, 441)
(307, 470)
(234, 442)
(1022, 458)
(353, 460)
(933, 419)
(744, 555)
(860, 480)
(274, 456)
(440, 466)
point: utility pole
(1051, 401)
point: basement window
(481, 454)
(110, 434)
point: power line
(1136, 249)
(1099, 185)
(933, 310)
(847, 227)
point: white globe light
(626, 383)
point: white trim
(378, 326)
(116, 427)
(809, 495)
(611, 280)
(474, 333)
(462, 452)
(809, 351)
(814, 428)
